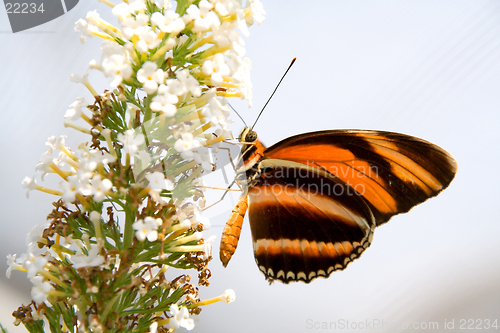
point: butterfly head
(247, 135)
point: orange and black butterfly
(315, 199)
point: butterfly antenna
(273, 92)
(238, 114)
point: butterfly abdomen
(232, 230)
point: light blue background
(425, 68)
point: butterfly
(315, 199)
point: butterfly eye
(251, 136)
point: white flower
(86, 29)
(185, 82)
(204, 18)
(100, 187)
(100, 157)
(40, 290)
(86, 167)
(133, 26)
(124, 10)
(131, 141)
(150, 76)
(80, 79)
(257, 12)
(36, 266)
(75, 110)
(70, 188)
(242, 77)
(137, 6)
(63, 161)
(185, 144)
(236, 64)
(216, 68)
(44, 163)
(34, 236)
(108, 48)
(25, 260)
(202, 156)
(95, 217)
(118, 67)
(147, 228)
(207, 247)
(226, 35)
(180, 318)
(229, 296)
(13, 265)
(153, 328)
(29, 184)
(157, 181)
(155, 195)
(169, 22)
(92, 259)
(54, 143)
(199, 218)
(165, 4)
(217, 134)
(148, 39)
(226, 7)
(115, 63)
(215, 111)
(165, 101)
(185, 224)
(242, 22)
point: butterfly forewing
(393, 171)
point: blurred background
(425, 68)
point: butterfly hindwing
(306, 223)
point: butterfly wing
(393, 172)
(319, 196)
(306, 223)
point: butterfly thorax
(252, 152)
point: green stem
(148, 113)
(128, 234)
(109, 306)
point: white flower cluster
(203, 49)
(151, 139)
(80, 175)
(213, 21)
(39, 265)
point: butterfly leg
(230, 158)
(223, 196)
(232, 183)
